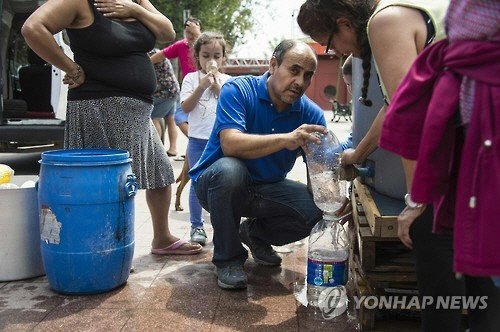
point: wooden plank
(365, 316)
(366, 251)
(363, 222)
(360, 210)
(366, 235)
(355, 203)
(388, 226)
(393, 268)
(364, 204)
(369, 206)
(390, 279)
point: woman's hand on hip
(75, 78)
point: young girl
(199, 94)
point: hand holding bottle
(206, 81)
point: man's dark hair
(194, 20)
(282, 48)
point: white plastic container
(20, 256)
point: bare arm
(157, 57)
(234, 143)
(51, 18)
(396, 34)
(394, 56)
(142, 11)
(395, 53)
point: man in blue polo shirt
(262, 126)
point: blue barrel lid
(85, 156)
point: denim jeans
(194, 149)
(179, 115)
(282, 212)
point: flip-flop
(171, 154)
(174, 249)
(180, 158)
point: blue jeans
(163, 107)
(179, 115)
(194, 149)
(284, 211)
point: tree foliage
(232, 18)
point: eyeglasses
(329, 43)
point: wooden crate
(381, 212)
(376, 263)
(379, 257)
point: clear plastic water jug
(324, 168)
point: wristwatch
(411, 204)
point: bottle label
(327, 274)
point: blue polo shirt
(245, 105)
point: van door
(33, 95)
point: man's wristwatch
(411, 204)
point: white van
(33, 103)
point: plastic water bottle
(328, 243)
(212, 67)
(325, 170)
(327, 266)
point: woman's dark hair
(205, 38)
(319, 17)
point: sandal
(175, 249)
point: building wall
(326, 80)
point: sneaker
(231, 277)
(262, 252)
(198, 235)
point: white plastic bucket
(20, 256)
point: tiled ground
(173, 293)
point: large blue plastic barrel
(86, 219)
